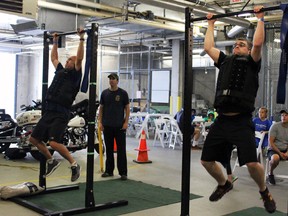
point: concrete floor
(165, 170)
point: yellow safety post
(100, 149)
(171, 105)
(179, 103)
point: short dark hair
(249, 43)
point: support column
(176, 77)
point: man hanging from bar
(59, 98)
(236, 90)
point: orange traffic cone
(142, 154)
(115, 146)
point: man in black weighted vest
(236, 90)
(59, 98)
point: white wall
(7, 86)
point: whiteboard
(160, 86)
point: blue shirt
(262, 126)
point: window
(7, 86)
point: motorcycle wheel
(37, 155)
(4, 146)
(96, 147)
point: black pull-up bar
(236, 13)
(67, 33)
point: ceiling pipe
(180, 5)
(113, 9)
(235, 31)
(180, 36)
(224, 43)
(175, 26)
(146, 51)
(95, 5)
(269, 18)
(108, 8)
(152, 39)
(204, 4)
(117, 34)
(220, 44)
(250, 34)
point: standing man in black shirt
(114, 103)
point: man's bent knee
(34, 141)
(254, 165)
(54, 144)
(207, 163)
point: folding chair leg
(266, 169)
(155, 137)
(236, 164)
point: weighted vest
(237, 84)
(62, 89)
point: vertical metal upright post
(150, 62)
(89, 196)
(46, 40)
(188, 86)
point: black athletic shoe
(51, 167)
(271, 180)
(268, 201)
(105, 174)
(123, 177)
(220, 191)
(75, 172)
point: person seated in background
(262, 124)
(278, 145)
(197, 132)
(210, 117)
(179, 117)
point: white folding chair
(143, 126)
(258, 151)
(261, 137)
(176, 136)
(167, 117)
(204, 130)
(161, 132)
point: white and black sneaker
(51, 167)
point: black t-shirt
(114, 103)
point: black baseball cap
(114, 75)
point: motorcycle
(75, 136)
(12, 131)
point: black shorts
(229, 131)
(51, 127)
(271, 152)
